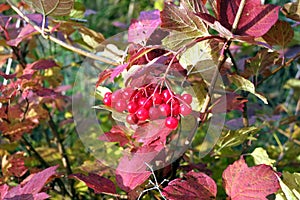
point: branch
(53, 39)
(238, 16)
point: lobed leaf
(52, 7)
(195, 185)
(292, 10)
(244, 183)
(98, 183)
(280, 34)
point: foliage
(161, 103)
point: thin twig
(238, 16)
(61, 43)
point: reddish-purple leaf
(256, 19)
(4, 7)
(116, 134)
(7, 76)
(194, 186)
(33, 186)
(103, 76)
(117, 71)
(17, 165)
(228, 102)
(3, 190)
(141, 29)
(153, 133)
(27, 31)
(98, 183)
(245, 183)
(43, 64)
(132, 170)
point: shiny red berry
(142, 114)
(132, 119)
(127, 92)
(116, 95)
(185, 109)
(157, 99)
(166, 95)
(107, 101)
(132, 107)
(171, 122)
(120, 105)
(154, 113)
(165, 109)
(187, 98)
(107, 94)
(145, 102)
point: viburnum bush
(196, 99)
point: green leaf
(233, 138)
(185, 25)
(280, 34)
(246, 85)
(261, 156)
(290, 186)
(292, 10)
(52, 7)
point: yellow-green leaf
(52, 7)
(246, 85)
(261, 156)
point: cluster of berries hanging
(150, 102)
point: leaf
(229, 102)
(3, 190)
(26, 32)
(98, 183)
(4, 7)
(185, 25)
(52, 7)
(43, 64)
(246, 85)
(256, 19)
(292, 10)
(16, 165)
(195, 185)
(286, 194)
(90, 37)
(116, 134)
(280, 34)
(261, 156)
(243, 183)
(152, 133)
(260, 64)
(118, 70)
(33, 187)
(141, 29)
(233, 138)
(7, 76)
(290, 185)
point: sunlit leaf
(52, 7)
(246, 85)
(292, 10)
(280, 34)
(243, 183)
(261, 156)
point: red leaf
(256, 19)
(233, 102)
(3, 190)
(116, 134)
(98, 183)
(43, 64)
(243, 183)
(132, 170)
(26, 31)
(117, 71)
(32, 187)
(195, 186)
(4, 7)
(140, 30)
(17, 165)
(7, 76)
(103, 76)
(153, 133)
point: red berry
(187, 98)
(107, 101)
(132, 119)
(127, 92)
(166, 95)
(171, 122)
(132, 107)
(120, 105)
(107, 94)
(185, 109)
(145, 102)
(157, 99)
(165, 109)
(154, 113)
(175, 109)
(116, 95)
(142, 114)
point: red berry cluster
(150, 103)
